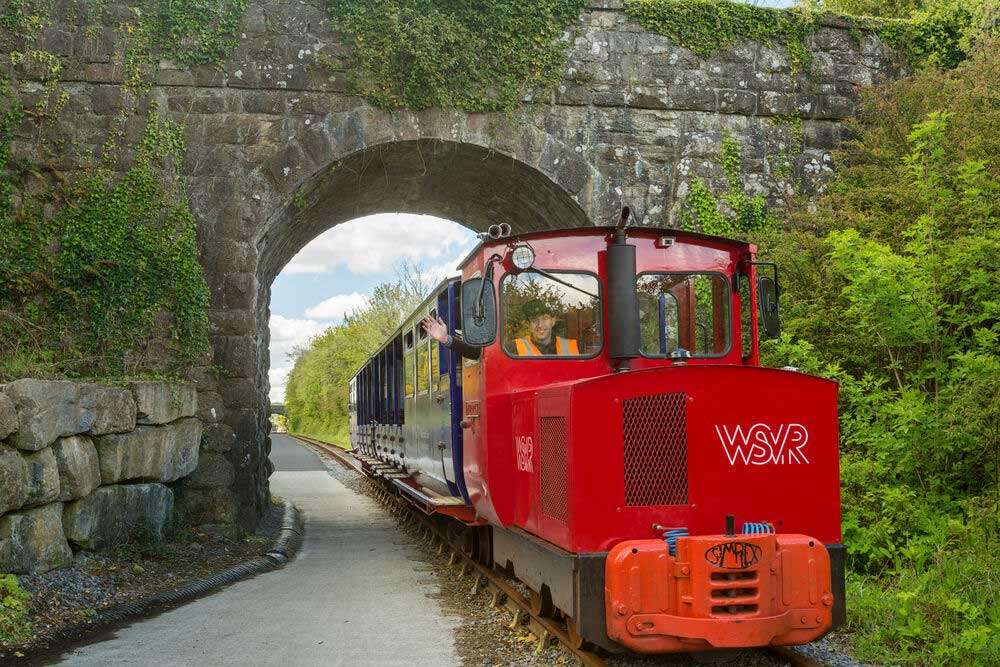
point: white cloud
(374, 243)
(435, 274)
(286, 335)
(337, 306)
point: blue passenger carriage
(401, 406)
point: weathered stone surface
(112, 515)
(113, 408)
(210, 505)
(15, 480)
(46, 410)
(79, 468)
(217, 438)
(150, 453)
(213, 471)
(162, 402)
(33, 540)
(43, 478)
(8, 416)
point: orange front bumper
(718, 592)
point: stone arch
(545, 185)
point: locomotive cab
(640, 470)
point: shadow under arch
(463, 182)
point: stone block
(213, 471)
(211, 505)
(79, 467)
(8, 416)
(218, 438)
(150, 453)
(46, 410)
(43, 478)
(112, 515)
(162, 403)
(112, 407)
(33, 540)
(15, 481)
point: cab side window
(552, 315)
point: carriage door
(441, 385)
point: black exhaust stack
(623, 305)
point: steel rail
(521, 604)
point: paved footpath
(353, 596)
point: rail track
(524, 610)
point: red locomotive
(614, 442)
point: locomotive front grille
(656, 450)
(735, 593)
(554, 478)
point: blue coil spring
(754, 528)
(671, 536)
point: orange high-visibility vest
(565, 347)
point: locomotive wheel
(575, 640)
(541, 603)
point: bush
(14, 625)
(890, 288)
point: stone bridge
(280, 151)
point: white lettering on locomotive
(762, 444)
(524, 448)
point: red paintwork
(505, 397)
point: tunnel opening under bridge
(472, 185)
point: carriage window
(423, 379)
(408, 373)
(553, 315)
(435, 361)
(683, 314)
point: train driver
(540, 321)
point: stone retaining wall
(86, 466)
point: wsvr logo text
(762, 444)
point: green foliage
(192, 32)
(100, 264)
(942, 33)
(316, 394)
(88, 281)
(454, 53)
(735, 214)
(705, 26)
(939, 33)
(14, 624)
(890, 288)
(951, 601)
(892, 9)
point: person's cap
(534, 308)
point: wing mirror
(767, 302)
(479, 308)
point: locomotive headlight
(523, 257)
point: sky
(330, 277)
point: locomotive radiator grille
(554, 478)
(656, 450)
